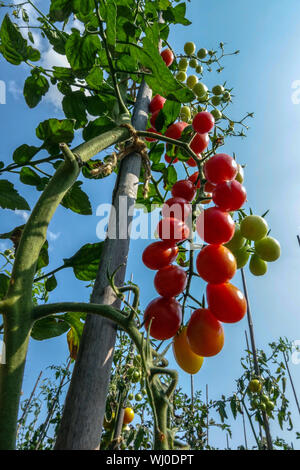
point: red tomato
(153, 118)
(229, 196)
(216, 264)
(194, 177)
(215, 226)
(177, 207)
(151, 129)
(170, 281)
(170, 159)
(156, 103)
(166, 317)
(172, 229)
(220, 168)
(159, 254)
(203, 122)
(167, 56)
(205, 333)
(174, 131)
(191, 162)
(226, 302)
(209, 187)
(199, 143)
(185, 189)
(128, 415)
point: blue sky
(262, 75)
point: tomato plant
(163, 317)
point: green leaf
(33, 54)
(30, 177)
(139, 438)
(13, 45)
(83, 8)
(77, 201)
(81, 52)
(74, 106)
(85, 262)
(58, 41)
(63, 73)
(74, 320)
(111, 23)
(43, 259)
(51, 283)
(156, 153)
(167, 115)
(4, 283)
(56, 131)
(95, 105)
(176, 15)
(170, 177)
(25, 153)
(97, 127)
(95, 78)
(48, 327)
(60, 10)
(10, 198)
(35, 87)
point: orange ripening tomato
(216, 264)
(128, 415)
(205, 333)
(185, 357)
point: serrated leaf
(13, 45)
(176, 15)
(74, 107)
(49, 327)
(111, 23)
(55, 131)
(10, 198)
(139, 438)
(76, 200)
(167, 115)
(58, 41)
(95, 78)
(35, 87)
(81, 52)
(97, 127)
(60, 10)
(85, 262)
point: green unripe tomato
(200, 89)
(254, 227)
(240, 174)
(215, 100)
(262, 407)
(218, 90)
(183, 64)
(137, 360)
(204, 98)
(193, 63)
(202, 53)
(216, 114)
(138, 397)
(130, 396)
(136, 376)
(191, 81)
(257, 266)
(189, 48)
(199, 69)
(242, 256)
(254, 386)
(268, 249)
(264, 398)
(144, 392)
(181, 76)
(237, 241)
(226, 96)
(185, 113)
(270, 406)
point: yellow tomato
(128, 415)
(185, 357)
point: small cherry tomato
(205, 333)
(167, 56)
(219, 168)
(156, 103)
(128, 415)
(215, 226)
(172, 229)
(226, 302)
(184, 356)
(185, 189)
(166, 315)
(170, 281)
(199, 143)
(194, 177)
(203, 122)
(229, 196)
(216, 264)
(175, 130)
(177, 207)
(159, 254)
(170, 159)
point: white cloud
(23, 214)
(53, 236)
(3, 246)
(15, 89)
